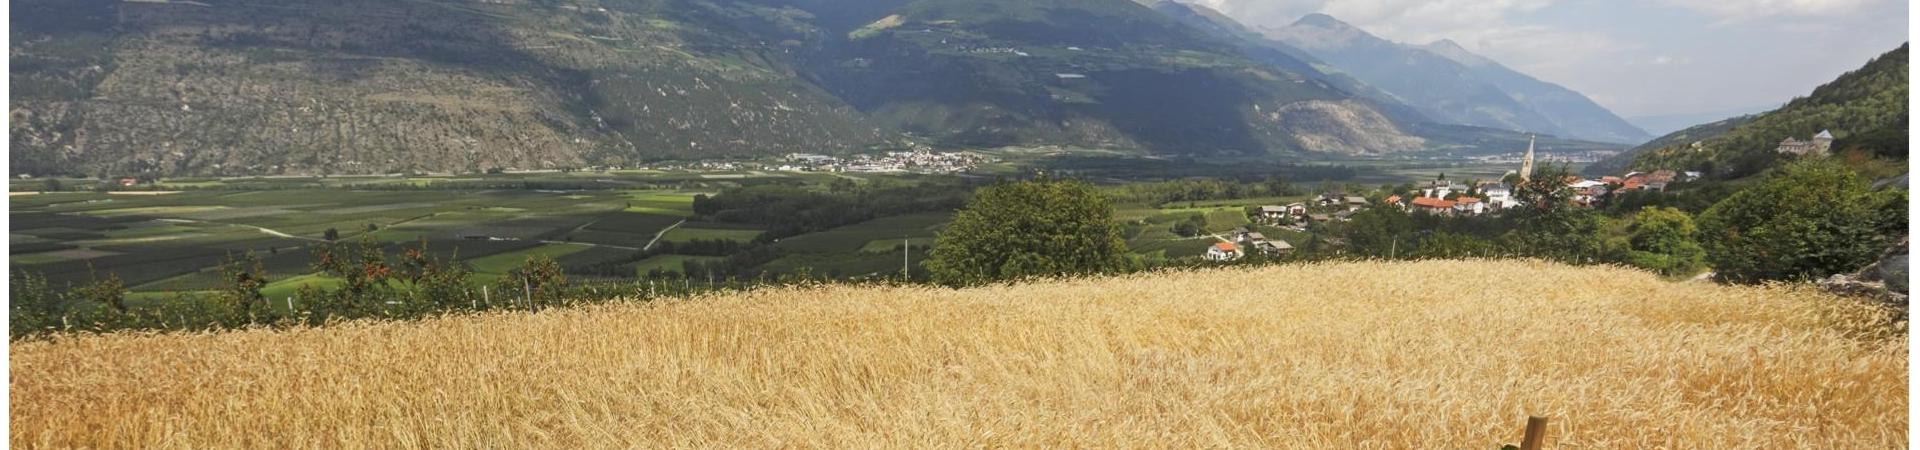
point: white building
(1224, 251)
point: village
(914, 161)
(1445, 197)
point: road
(663, 232)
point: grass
(1338, 355)
(688, 233)
(504, 262)
(858, 236)
(669, 263)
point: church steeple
(1526, 165)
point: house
(1273, 212)
(1393, 200)
(1586, 192)
(1469, 206)
(1252, 237)
(1273, 247)
(1319, 218)
(1691, 175)
(1433, 205)
(1662, 176)
(1224, 251)
(1354, 203)
(1296, 209)
(1499, 197)
(1331, 199)
(1441, 189)
(128, 181)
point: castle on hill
(1821, 145)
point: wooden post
(1536, 433)
(484, 297)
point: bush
(1806, 221)
(1662, 240)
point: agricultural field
(1225, 358)
(171, 242)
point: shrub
(1805, 221)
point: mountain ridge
(1456, 85)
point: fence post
(1536, 433)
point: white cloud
(1742, 10)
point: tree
(1027, 229)
(1380, 232)
(1191, 226)
(1445, 245)
(1805, 221)
(1546, 192)
(241, 279)
(1662, 240)
(331, 235)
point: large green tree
(1027, 229)
(1804, 221)
(1662, 240)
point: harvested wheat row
(1339, 355)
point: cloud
(1637, 57)
(1487, 27)
(1744, 10)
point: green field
(688, 232)
(669, 263)
(856, 237)
(504, 262)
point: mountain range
(1453, 85)
(242, 87)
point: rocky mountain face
(1104, 73)
(356, 86)
(1449, 84)
(242, 87)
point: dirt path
(663, 232)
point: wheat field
(1341, 355)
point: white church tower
(1526, 165)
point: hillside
(286, 86)
(1866, 110)
(1305, 356)
(229, 87)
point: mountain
(1436, 86)
(230, 87)
(1259, 47)
(1866, 110)
(1097, 73)
(1569, 110)
(1662, 124)
(1452, 85)
(242, 87)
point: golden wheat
(1341, 355)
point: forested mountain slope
(1866, 110)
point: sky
(1636, 57)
